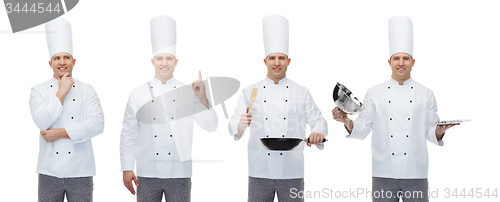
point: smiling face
(61, 64)
(277, 64)
(401, 65)
(164, 64)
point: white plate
(449, 122)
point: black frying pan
(283, 144)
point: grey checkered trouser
(263, 189)
(390, 190)
(52, 189)
(174, 189)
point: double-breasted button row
(155, 118)
(152, 86)
(389, 88)
(390, 118)
(73, 86)
(281, 135)
(403, 153)
(264, 100)
(393, 135)
(270, 154)
(284, 118)
(157, 154)
(58, 152)
(157, 135)
(264, 86)
(411, 101)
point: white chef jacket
(279, 111)
(82, 118)
(399, 117)
(162, 150)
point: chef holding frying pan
(280, 109)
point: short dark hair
(395, 54)
(277, 52)
(54, 55)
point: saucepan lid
(346, 101)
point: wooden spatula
(252, 99)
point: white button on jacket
(280, 111)
(82, 118)
(399, 117)
(154, 137)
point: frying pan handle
(324, 140)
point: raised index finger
(199, 75)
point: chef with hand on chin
(157, 132)
(282, 109)
(68, 114)
(398, 113)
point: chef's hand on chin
(128, 176)
(315, 138)
(53, 135)
(65, 83)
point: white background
(456, 52)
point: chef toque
(163, 35)
(59, 39)
(400, 35)
(275, 34)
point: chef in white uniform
(398, 113)
(158, 124)
(281, 109)
(68, 114)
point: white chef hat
(163, 35)
(275, 34)
(59, 37)
(400, 35)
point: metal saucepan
(346, 101)
(283, 144)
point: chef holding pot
(398, 112)
(157, 129)
(68, 114)
(281, 109)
